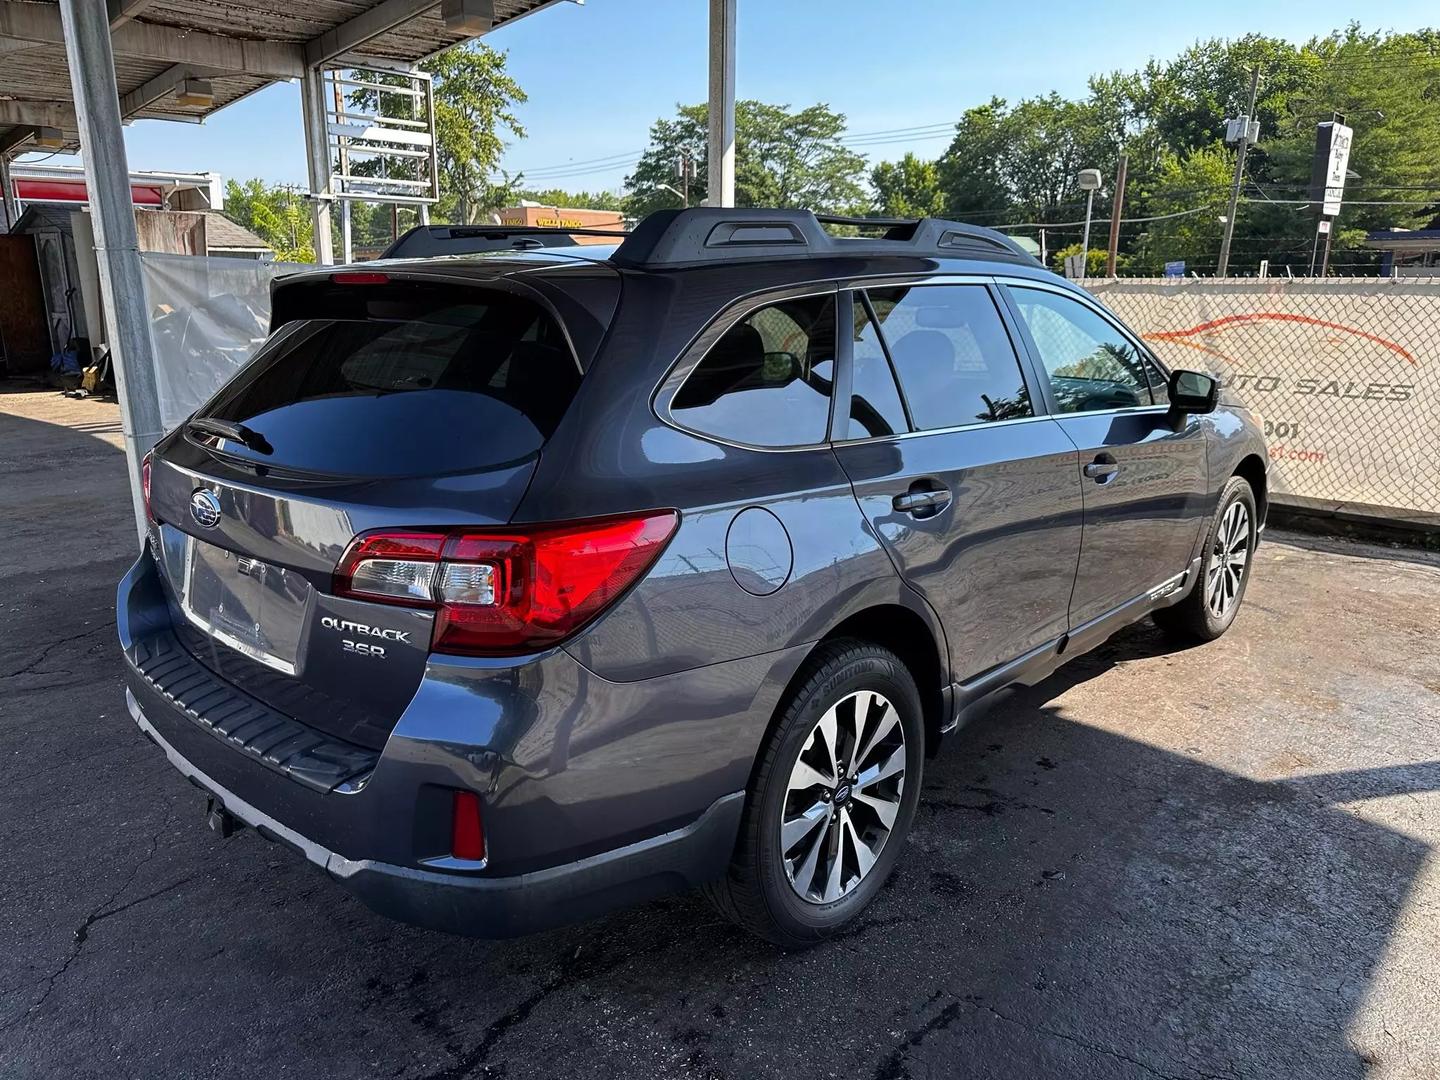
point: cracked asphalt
(1209, 863)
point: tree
(907, 188)
(1097, 260)
(475, 99)
(276, 214)
(1018, 163)
(581, 200)
(783, 158)
(1201, 178)
(972, 182)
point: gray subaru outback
(512, 587)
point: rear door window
(952, 354)
(405, 380)
(767, 380)
(875, 406)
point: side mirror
(1193, 392)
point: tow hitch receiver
(221, 820)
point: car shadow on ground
(1074, 902)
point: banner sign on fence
(1175, 269)
(1343, 373)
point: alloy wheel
(1225, 572)
(843, 797)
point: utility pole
(1120, 174)
(1245, 121)
(685, 171)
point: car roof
(790, 245)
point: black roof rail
(486, 228)
(678, 238)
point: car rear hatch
(380, 402)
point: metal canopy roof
(237, 46)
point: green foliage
(783, 158)
(1096, 260)
(474, 100)
(580, 200)
(1201, 178)
(276, 213)
(1011, 163)
(907, 188)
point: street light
(683, 200)
(1089, 183)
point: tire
(1205, 614)
(846, 685)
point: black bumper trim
(498, 907)
(319, 761)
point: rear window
(404, 381)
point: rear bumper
(595, 794)
(501, 906)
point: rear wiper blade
(226, 429)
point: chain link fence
(1344, 373)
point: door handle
(1103, 469)
(913, 501)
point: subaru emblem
(205, 508)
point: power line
(595, 163)
(948, 125)
(1123, 221)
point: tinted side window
(954, 359)
(875, 407)
(1090, 364)
(767, 381)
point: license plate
(253, 607)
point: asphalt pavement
(1217, 862)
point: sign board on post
(1329, 165)
(1075, 266)
(1175, 269)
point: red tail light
(508, 591)
(145, 483)
(360, 277)
(467, 834)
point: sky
(600, 74)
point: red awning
(74, 191)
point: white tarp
(1345, 373)
(207, 316)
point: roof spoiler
(700, 235)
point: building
(1408, 252)
(564, 217)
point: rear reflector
(467, 835)
(509, 591)
(360, 277)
